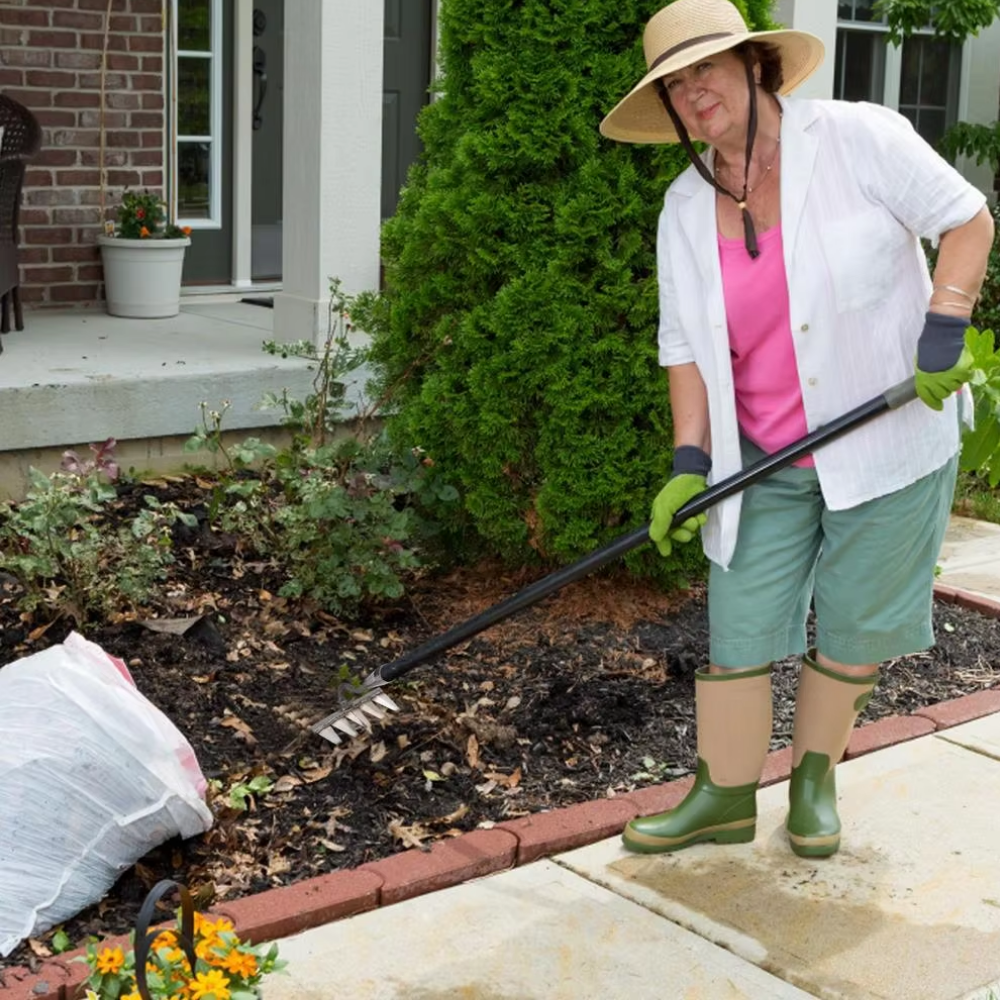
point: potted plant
(200, 958)
(143, 256)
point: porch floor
(79, 376)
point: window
(198, 113)
(920, 79)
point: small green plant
(657, 770)
(142, 215)
(67, 551)
(321, 413)
(345, 514)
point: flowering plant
(225, 967)
(142, 215)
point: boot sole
(813, 847)
(730, 834)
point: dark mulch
(586, 696)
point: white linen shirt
(858, 187)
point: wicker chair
(22, 138)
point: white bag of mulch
(92, 777)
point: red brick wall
(50, 61)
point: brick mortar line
(597, 815)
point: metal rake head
(356, 710)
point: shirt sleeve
(674, 347)
(900, 170)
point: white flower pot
(142, 278)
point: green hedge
(521, 310)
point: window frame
(214, 137)
(892, 85)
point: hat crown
(684, 21)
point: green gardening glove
(944, 363)
(691, 468)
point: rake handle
(893, 398)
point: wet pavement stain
(836, 930)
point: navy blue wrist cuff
(941, 342)
(691, 459)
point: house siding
(50, 61)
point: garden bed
(586, 696)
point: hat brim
(640, 116)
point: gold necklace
(767, 169)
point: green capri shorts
(869, 571)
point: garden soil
(587, 695)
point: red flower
(140, 213)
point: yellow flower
(213, 982)
(91, 995)
(165, 939)
(110, 960)
(239, 963)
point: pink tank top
(765, 375)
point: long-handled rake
(360, 703)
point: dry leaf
(331, 845)
(39, 949)
(286, 783)
(409, 836)
(507, 780)
(277, 865)
(316, 774)
(362, 635)
(378, 752)
(242, 730)
(452, 817)
(402, 741)
(472, 752)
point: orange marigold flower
(144, 231)
(239, 963)
(213, 982)
(110, 960)
(186, 230)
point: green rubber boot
(826, 707)
(733, 713)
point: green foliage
(346, 517)
(322, 412)
(978, 142)
(143, 215)
(981, 446)
(68, 553)
(954, 21)
(517, 332)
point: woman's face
(712, 99)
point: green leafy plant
(343, 512)
(67, 551)
(981, 446)
(142, 215)
(226, 968)
(953, 21)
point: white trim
(215, 54)
(242, 168)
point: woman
(792, 288)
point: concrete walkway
(909, 909)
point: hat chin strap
(749, 232)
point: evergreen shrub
(519, 324)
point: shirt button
(812, 381)
(804, 328)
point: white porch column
(332, 157)
(819, 17)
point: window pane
(929, 85)
(934, 72)
(194, 96)
(194, 25)
(859, 74)
(858, 10)
(193, 169)
(845, 11)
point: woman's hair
(771, 74)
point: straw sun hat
(683, 33)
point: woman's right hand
(679, 490)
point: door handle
(260, 77)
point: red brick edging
(280, 912)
